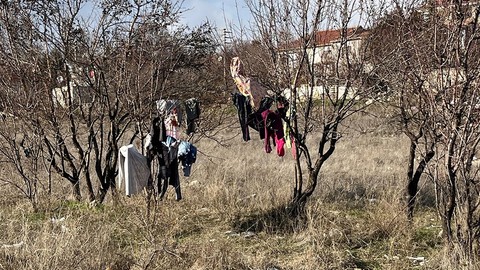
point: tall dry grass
(233, 217)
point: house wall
(329, 52)
(320, 92)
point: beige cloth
(248, 87)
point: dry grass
(233, 217)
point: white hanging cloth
(132, 170)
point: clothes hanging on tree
(255, 119)
(158, 132)
(133, 170)
(187, 154)
(172, 114)
(169, 106)
(172, 125)
(273, 131)
(172, 111)
(162, 147)
(170, 176)
(244, 110)
(247, 86)
(192, 109)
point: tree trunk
(108, 182)
(101, 195)
(76, 191)
(296, 207)
(299, 201)
(414, 178)
(91, 193)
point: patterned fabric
(246, 86)
(172, 126)
(166, 107)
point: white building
(330, 52)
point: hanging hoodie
(133, 170)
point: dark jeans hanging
(244, 109)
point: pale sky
(216, 11)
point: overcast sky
(215, 11)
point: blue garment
(187, 154)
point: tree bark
(76, 191)
(414, 178)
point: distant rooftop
(325, 37)
(328, 36)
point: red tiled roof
(328, 36)
(325, 37)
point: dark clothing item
(164, 150)
(282, 106)
(256, 121)
(157, 150)
(248, 117)
(158, 132)
(192, 109)
(265, 104)
(163, 170)
(169, 175)
(273, 130)
(244, 110)
(173, 180)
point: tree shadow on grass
(279, 220)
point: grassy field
(233, 217)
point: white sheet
(133, 171)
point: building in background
(333, 54)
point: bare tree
(457, 54)
(292, 34)
(21, 85)
(22, 155)
(434, 72)
(401, 50)
(102, 69)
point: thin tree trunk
(91, 193)
(108, 182)
(452, 191)
(101, 195)
(414, 178)
(76, 191)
